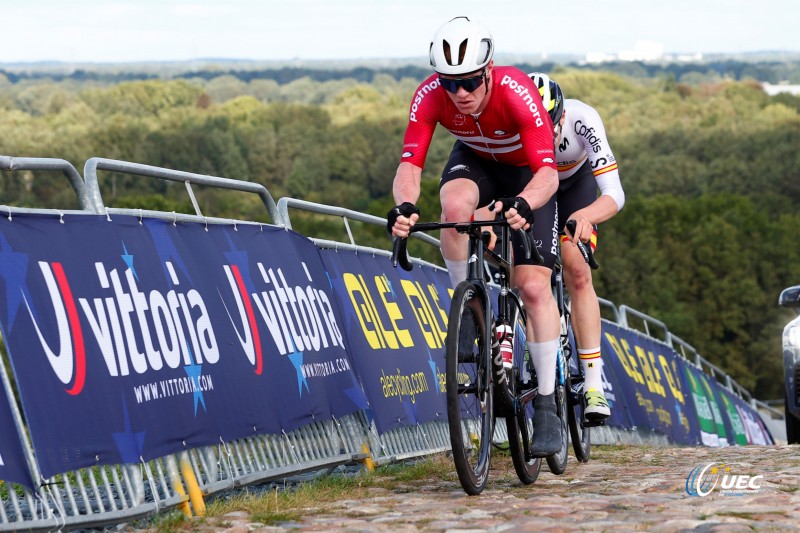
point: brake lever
(583, 248)
(400, 254)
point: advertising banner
(13, 465)
(724, 429)
(134, 338)
(395, 324)
(613, 385)
(651, 383)
(745, 422)
(703, 402)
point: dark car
(790, 297)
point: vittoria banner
(132, 339)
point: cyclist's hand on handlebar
(585, 248)
(517, 211)
(400, 218)
(583, 230)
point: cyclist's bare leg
(459, 199)
(585, 306)
(543, 325)
(585, 319)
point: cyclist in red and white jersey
(585, 162)
(504, 150)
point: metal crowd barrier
(101, 496)
(98, 496)
(92, 184)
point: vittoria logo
(177, 338)
(145, 330)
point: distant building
(642, 51)
(782, 87)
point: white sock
(457, 271)
(592, 369)
(544, 356)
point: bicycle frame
(478, 255)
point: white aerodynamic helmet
(461, 46)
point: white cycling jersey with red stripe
(513, 128)
(584, 137)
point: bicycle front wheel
(558, 461)
(520, 423)
(470, 407)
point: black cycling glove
(406, 209)
(521, 205)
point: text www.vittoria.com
(167, 388)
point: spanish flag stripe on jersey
(605, 169)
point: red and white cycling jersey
(584, 137)
(513, 128)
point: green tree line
(705, 242)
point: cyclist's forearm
(598, 211)
(541, 188)
(406, 187)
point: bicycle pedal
(593, 423)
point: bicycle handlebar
(586, 250)
(400, 246)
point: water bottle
(505, 335)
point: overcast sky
(143, 30)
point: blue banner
(132, 339)
(395, 326)
(652, 383)
(13, 465)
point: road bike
(478, 388)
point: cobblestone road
(623, 488)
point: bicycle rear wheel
(520, 426)
(581, 434)
(469, 385)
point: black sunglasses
(451, 85)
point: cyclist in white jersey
(585, 162)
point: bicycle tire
(580, 434)
(520, 426)
(469, 386)
(558, 461)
